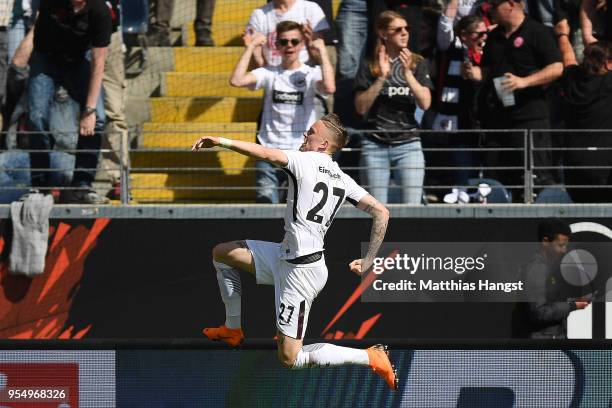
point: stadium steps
(203, 84)
(162, 147)
(195, 99)
(235, 11)
(196, 103)
(224, 34)
(229, 21)
(222, 162)
(166, 188)
(205, 109)
(206, 59)
(165, 136)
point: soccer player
(296, 266)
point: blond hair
(339, 134)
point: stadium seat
(499, 194)
(553, 195)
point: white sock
(229, 284)
(325, 355)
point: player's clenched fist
(355, 267)
(205, 142)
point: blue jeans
(352, 31)
(15, 179)
(268, 179)
(352, 22)
(16, 32)
(405, 162)
(46, 73)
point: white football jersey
(317, 189)
(289, 104)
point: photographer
(545, 316)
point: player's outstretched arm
(380, 219)
(274, 156)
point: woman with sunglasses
(289, 99)
(390, 84)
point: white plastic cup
(506, 97)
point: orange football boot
(232, 337)
(381, 364)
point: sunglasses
(480, 34)
(283, 42)
(396, 30)
(494, 6)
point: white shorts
(295, 286)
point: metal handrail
(528, 167)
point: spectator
(587, 90)
(22, 20)
(455, 98)
(6, 8)
(203, 23)
(551, 13)
(289, 97)
(546, 12)
(545, 315)
(159, 30)
(16, 104)
(422, 16)
(67, 35)
(596, 20)
(524, 54)
(391, 83)
(116, 129)
(352, 30)
(264, 20)
(352, 24)
(454, 11)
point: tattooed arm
(380, 219)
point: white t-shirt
(317, 189)
(289, 108)
(265, 19)
(467, 7)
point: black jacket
(545, 316)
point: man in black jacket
(70, 43)
(544, 317)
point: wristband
(223, 142)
